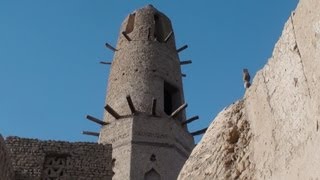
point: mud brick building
(144, 132)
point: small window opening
(130, 24)
(158, 31)
(162, 28)
(153, 158)
(172, 98)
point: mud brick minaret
(145, 117)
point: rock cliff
(273, 132)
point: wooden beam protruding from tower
(182, 48)
(202, 131)
(168, 37)
(185, 62)
(111, 47)
(190, 120)
(177, 111)
(153, 107)
(126, 36)
(130, 103)
(183, 75)
(105, 62)
(91, 133)
(96, 120)
(110, 110)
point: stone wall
(34, 159)
(6, 170)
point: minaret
(145, 107)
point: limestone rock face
(222, 152)
(273, 133)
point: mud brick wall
(6, 169)
(35, 159)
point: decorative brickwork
(54, 167)
(33, 159)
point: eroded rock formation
(222, 153)
(273, 133)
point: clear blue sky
(49, 53)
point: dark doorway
(172, 98)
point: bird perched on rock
(246, 78)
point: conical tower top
(150, 6)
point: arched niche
(152, 175)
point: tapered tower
(145, 107)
